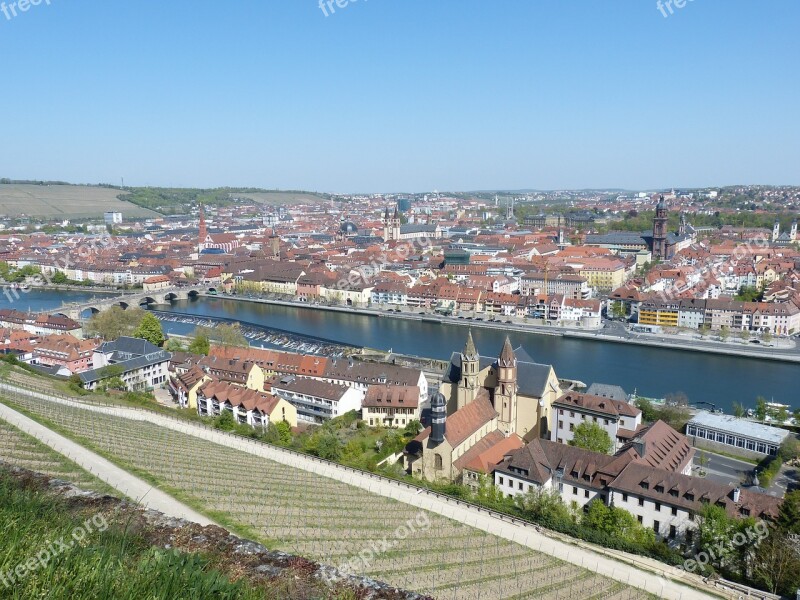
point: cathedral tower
(470, 367)
(660, 231)
(505, 396)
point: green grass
(110, 562)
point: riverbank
(677, 344)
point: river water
(652, 372)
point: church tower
(470, 367)
(660, 231)
(391, 225)
(793, 231)
(203, 233)
(776, 230)
(505, 395)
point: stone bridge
(77, 310)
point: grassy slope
(64, 201)
(116, 559)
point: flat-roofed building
(729, 433)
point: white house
(619, 419)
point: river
(652, 372)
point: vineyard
(329, 521)
(21, 450)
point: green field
(64, 201)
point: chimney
(736, 493)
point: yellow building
(664, 314)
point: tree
(114, 323)
(201, 343)
(618, 310)
(174, 345)
(788, 519)
(766, 337)
(59, 278)
(744, 335)
(724, 333)
(592, 436)
(542, 504)
(225, 421)
(649, 413)
(703, 330)
(412, 428)
(150, 329)
(738, 409)
(776, 565)
(761, 408)
(230, 335)
(329, 447)
(715, 527)
(616, 522)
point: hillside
(64, 202)
(67, 543)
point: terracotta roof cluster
(490, 450)
(225, 392)
(272, 360)
(65, 347)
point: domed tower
(660, 230)
(470, 367)
(505, 396)
(438, 418)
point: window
(673, 532)
(674, 512)
(574, 490)
(500, 480)
(658, 506)
(639, 518)
(520, 485)
(585, 493)
(572, 414)
(561, 424)
(437, 462)
(624, 497)
(656, 526)
(641, 501)
(572, 427)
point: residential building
(391, 405)
(619, 419)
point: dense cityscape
(400, 300)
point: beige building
(482, 402)
(390, 405)
(520, 390)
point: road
(723, 469)
(134, 488)
(656, 578)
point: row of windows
(731, 440)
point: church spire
(507, 356)
(203, 233)
(470, 352)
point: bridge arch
(171, 297)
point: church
(485, 407)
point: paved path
(650, 575)
(132, 487)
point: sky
(401, 95)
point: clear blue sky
(402, 95)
